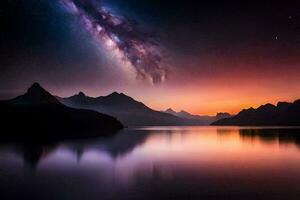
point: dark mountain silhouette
(129, 111)
(35, 95)
(284, 114)
(223, 115)
(39, 115)
(198, 119)
(171, 111)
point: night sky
(203, 57)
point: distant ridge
(134, 113)
(129, 111)
(198, 119)
(39, 115)
(283, 114)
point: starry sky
(204, 57)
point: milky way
(122, 37)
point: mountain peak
(36, 84)
(170, 110)
(184, 112)
(282, 103)
(81, 94)
(118, 95)
(297, 101)
(36, 87)
(115, 93)
(267, 107)
(35, 95)
(223, 115)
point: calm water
(158, 163)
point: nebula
(123, 38)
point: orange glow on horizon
(232, 99)
(246, 84)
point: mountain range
(129, 111)
(39, 115)
(283, 114)
(198, 119)
(39, 110)
(134, 113)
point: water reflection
(115, 146)
(158, 162)
(267, 135)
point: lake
(158, 163)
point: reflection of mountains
(282, 135)
(115, 146)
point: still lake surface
(158, 163)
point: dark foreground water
(158, 163)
